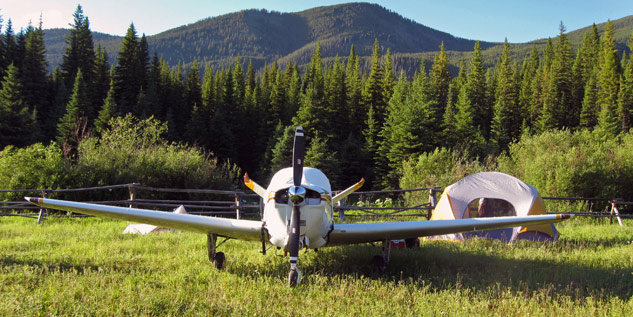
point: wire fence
(238, 204)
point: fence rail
(240, 204)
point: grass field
(87, 266)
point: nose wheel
(294, 278)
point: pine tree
(558, 104)
(3, 66)
(80, 52)
(107, 112)
(357, 112)
(73, 126)
(337, 123)
(476, 89)
(441, 78)
(281, 153)
(373, 94)
(625, 97)
(102, 82)
(586, 61)
(319, 155)
(278, 100)
(504, 116)
(239, 85)
(608, 84)
(467, 135)
(143, 62)
(389, 80)
(294, 93)
(589, 111)
(127, 74)
(529, 73)
(193, 88)
(16, 121)
(10, 49)
(33, 73)
(394, 137)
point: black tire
(218, 260)
(293, 278)
(379, 263)
(411, 243)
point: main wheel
(412, 243)
(218, 260)
(379, 263)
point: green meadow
(86, 266)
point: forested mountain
(265, 36)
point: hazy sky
(492, 20)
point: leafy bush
(33, 167)
(558, 163)
(441, 167)
(573, 164)
(129, 151)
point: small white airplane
(298, 213)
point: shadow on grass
(447, 266)
(61, 266)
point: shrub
(129, 151)
(33, 167)
(573, 164)
(441, 167)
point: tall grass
(88, 267)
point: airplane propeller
(296, 195)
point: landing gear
(382, 261)
(216, 258)
(412, 243)
(294, 278)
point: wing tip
(248, 182)
(34, 200)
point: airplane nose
(297, 194)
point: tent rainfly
(493, 194)
(141, 228)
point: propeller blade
(298, 150)
(293, 242)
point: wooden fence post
(237, 205)
(132, 190)
(341, 211)
(615, 210)
(432, 202)
(40, 217)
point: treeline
(359, 124)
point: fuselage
(316, 211)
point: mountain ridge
(265, 36)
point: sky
(486, 20)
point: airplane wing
(369, 232)
(231, 228)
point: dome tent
(497, 194)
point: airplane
(298, 213)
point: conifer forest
(369, 122)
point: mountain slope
(265, 36)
